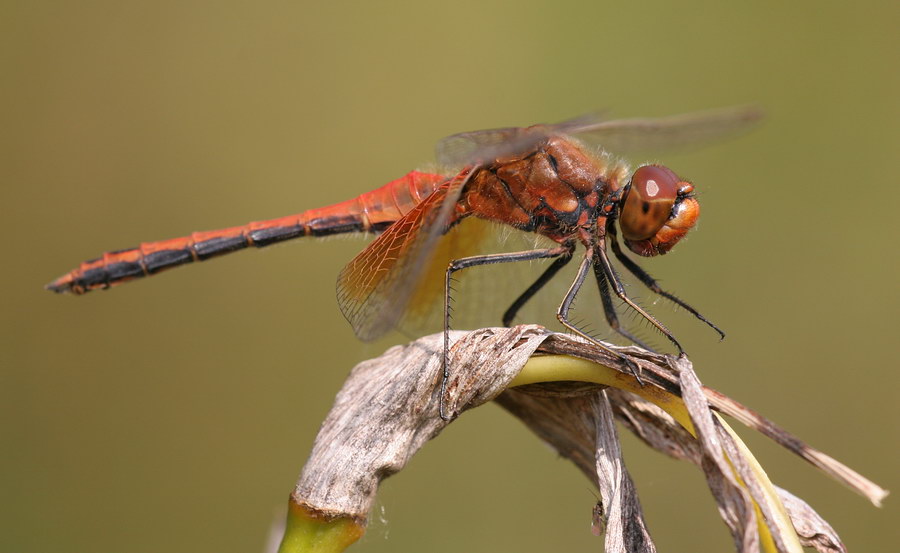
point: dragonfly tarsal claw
(635, 370)
(442, 400)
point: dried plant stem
(568, 393)
(560, 368)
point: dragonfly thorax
(553, 189)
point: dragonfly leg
(651, 283)
(545, 277)
(465, 262)
(620, 291)
(563, 315)
(609, 310)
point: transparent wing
(486, 145)
(623, 136)
(479, 146)
(375, 289)
(424, 312)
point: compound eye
(648, 205)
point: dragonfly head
(657, 211)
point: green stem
(307, 532)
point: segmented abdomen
(370, 212)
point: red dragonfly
(544, 179)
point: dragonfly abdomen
(121, 266)
(370, 212)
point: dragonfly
(560, 181)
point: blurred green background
(175, 414)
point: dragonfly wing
(485, 146)
(466, 148)
(618, 136)
(375, 289)
(624, 136)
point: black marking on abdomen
(342, 229)
(218, 246)
(327, 226)
(265, 236)
(163, 259)
(123, 270)
(111, 273)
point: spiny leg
(620, 291)
(563, 315)
(609, 310)
(459, 264)
(545, 277)
(651, 283)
